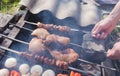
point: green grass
(11, 7)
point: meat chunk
(67, 55)
(40, 33)
(57, 39)
(36, 45)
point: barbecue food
(53, 27)
(36, 45)
(40, 33)
(48, 72)
(14, 73)
(24, 68)
(10, 62)
(4, 72)
(57, 40)
(67, 55)
(36, 70)
(58, 63)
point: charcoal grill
(24, 35)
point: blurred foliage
(9, 1)
(8, 6)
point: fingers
(38, 24)
(110, 54)
(113, 54)
(98, 32)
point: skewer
(69, 43)
(21, 27)
(14, 39)
(113, 69)
(85, 48)
(67, 29)
(20, 53)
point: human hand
(114, 53)
(103, 28)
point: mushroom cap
(10, 62)
(24, 68)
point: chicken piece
(36, 45)
(40, 33)
(57, 39)
(67, 55)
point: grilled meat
(57, 40)
(53, 27)
(67, 55)
(40, 33)
(61, 64)
(36, 45)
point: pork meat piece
(40, 33)
(57, 39)
(36, 45)
(67, 55)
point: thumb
(110, 54)
(96, 29)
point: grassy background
(8, 6)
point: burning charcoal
(48, 72)
(4, 72)
(6, 32)
(36, 70)
(24, 68)
(10, 62)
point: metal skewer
(113, 69)
(21, 27)
(71, 29)
(36, 24)
(19, 53)
(14, 39)
(69, 43)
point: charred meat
(67, 55)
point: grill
(15, 44)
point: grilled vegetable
(10, 62)
(48, 72)
(4, 72)
(24, 68)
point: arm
(105, 26)
(115, 14)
